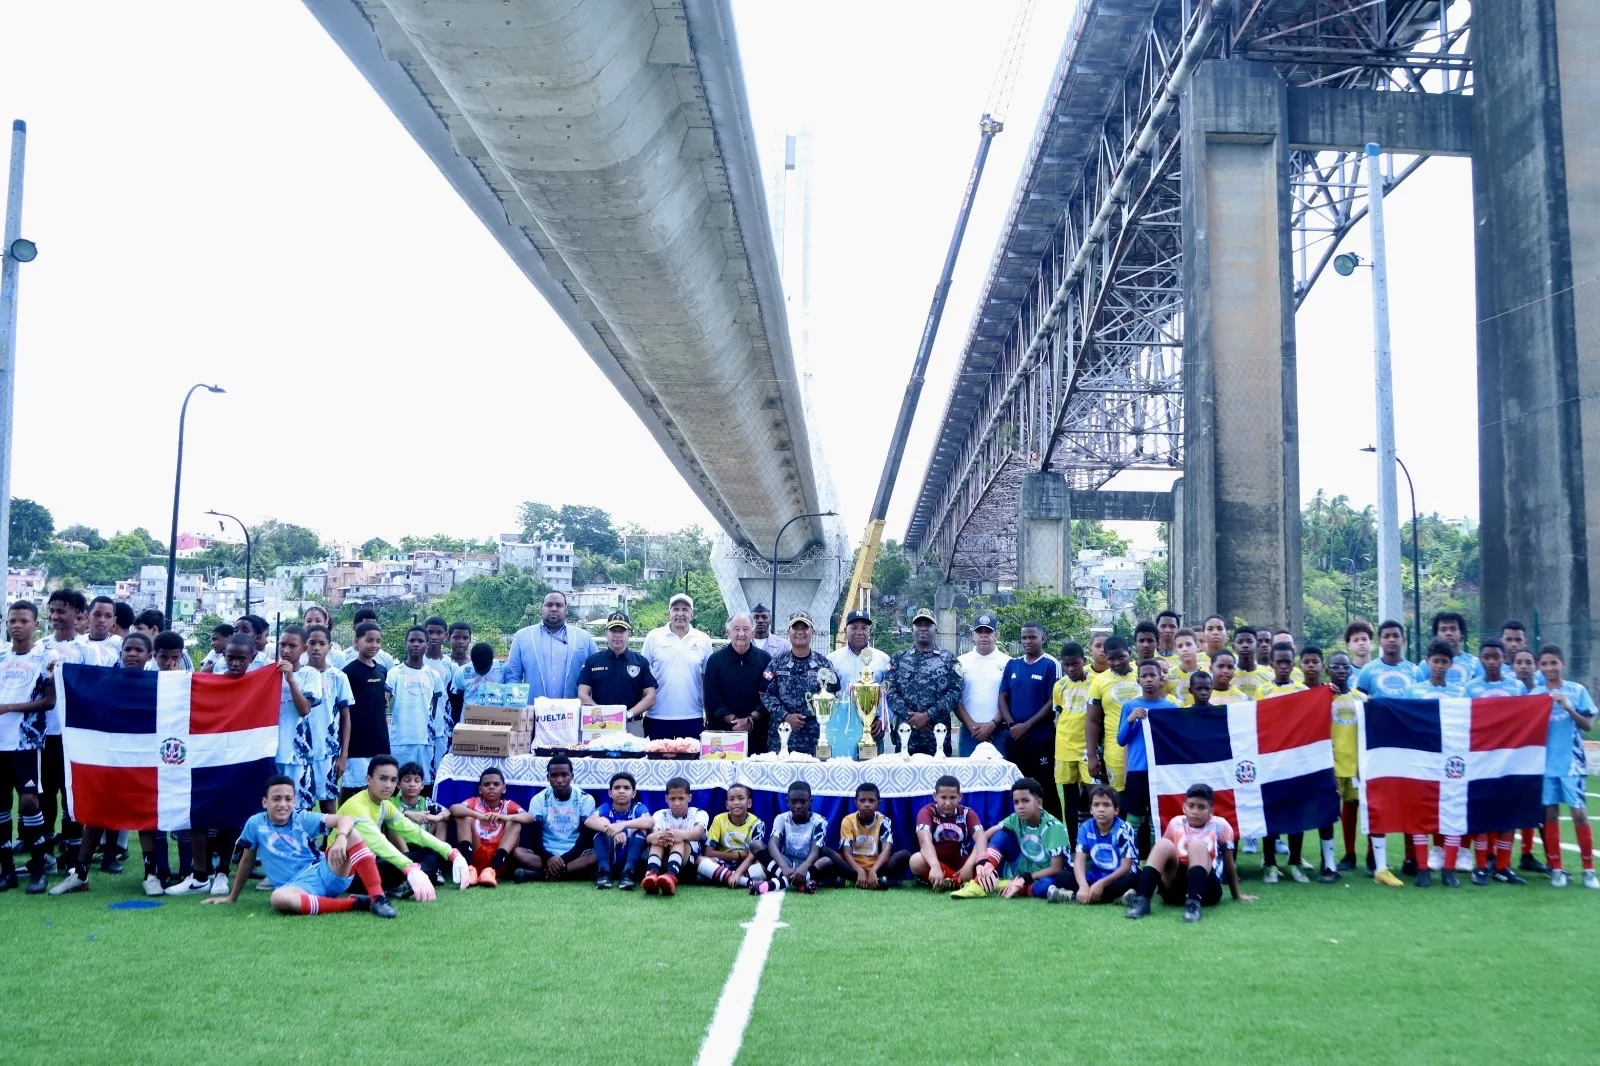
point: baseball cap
(618, 620)
(858, 615)
(684, 596)
(984, 621)
(923, 612)
(800, 618)
(760, 608)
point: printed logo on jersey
(1032, 847)
(1344, 710)
(173, 751)
(1245, 772)
(1104, 856)
(1393, 683)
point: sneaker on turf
(651, 883)
(1464, 861)
(1387, 879)
(8, 882)
(1449, 880)
(1531, 865)
(488, 878)
(1270, 875)
(1128, 897)
(668, 885)
(1435, 858)
(111, 865)
(1590, 880)
(808, 885)
(38, 884)
(50, 866)
(219, 884)
(1299, 875)
(970, 890)
(1409, 867)
(524, 876)
(189, 886)
(72, 883)
(152, 886)
(1558, 879)
(1506, 877)
(1424, 879)
(1347, 863)
(1139, 908)
(264, 885)
(1328, 876)
(761, 888)
(1057, 894)
(628, 884)
(381, 907)
(602, 882)
(1191, 910)
(1480, 877)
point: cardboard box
(521, 743)
(478, 714)
(598, 721)
(724, 746)
(490, 740)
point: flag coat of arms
(166, 749)
(1456, 766)
(1269, 762)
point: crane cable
(1005, 75)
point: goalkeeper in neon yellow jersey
(396, 839)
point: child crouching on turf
(491, 824)
(866, 842)
(1186, 862)
(732, 844)
(798, 850)
(419, 808)
(1105, 862)
(1029, 846)
(619, 825)
(676, 838)
(306, 880)
(949, 838)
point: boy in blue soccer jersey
(560, 845)
(1130, 734)
(1451, 628)
(301, 691)
(308, 880)
(415, 693)
(619, 825)
(1105, 861)
(1436, 683)
(1572, 713)
(1389, 674)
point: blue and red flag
(1270, 762)
(1456, 766)
(166, 749)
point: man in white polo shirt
(677, 654)
(981, 670)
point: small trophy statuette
(784, 729)
(905, 740)
(821, 704)
(939, 733)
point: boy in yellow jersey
(1347, 702)
(1222, 690)
(1280, 679)
(1097, 655)
(1283, 636)
(1249, 676)
(1281, 683)
(1186, 660)
(1071, 700)
(1107, 694)
(1213, 638)
(1168, 623)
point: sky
(218, 196)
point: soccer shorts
(1174, 893)
(1568, 790)
(1117, 765)
(355, 773)
(949, 874)
(322, 779)
(1349, 789)
(319, 880)
(1074, 772)
(483, 855)
(19, 773)
(421, 754)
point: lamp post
(781, 530)
(1416, 561)
(16, 249)
(221, 514)
(177, 493)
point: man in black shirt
(617, 677)
(733, 685)
(364, 728)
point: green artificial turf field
(1345, 972)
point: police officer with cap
(763, 636)
(617, 676)
(790, 677)
(923, 686)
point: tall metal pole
(1416, 568)
(8, 326)
(1389, 592)
(177, 494)
(236, 518)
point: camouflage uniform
(788, 680)
(925, 681)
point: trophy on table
(940, 731)
(905, 739)
(821, 704)
(865, 694)
(784, 729)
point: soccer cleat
(402, 891)
(1506, 877)
(219, 884)
(668, 885)
(1464, 861)
(808, 885)
(1057, 894)
(651, 883)
(525, 876)
(1558, 879)
(1270, 875)
(38, 884)
(8, 881)
(152, 886)
(627, 884)
(1424, 879)
(1347, 863)
(602, 882)
(1387, 879)
(381, 907)
(1449, 880)
(1409, 867)
(1480, 877)
(1299, 876)
(1139, 908)
(264, 885)
(111, 865)
(1128, 897)
(1191, 910)
(189, 886)
(970, 890)
(487, 878)
(73, 883)
(1435, 858)
(1531, 865)
(50, 866)
(1590, 880)
(1328, 876)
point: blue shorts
(322, 778)
(421, 754)
(355, 772)
(1568, 790)
(319, 880)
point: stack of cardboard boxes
(497, 723)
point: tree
(31, 529)
(589, 528)
(129, 544)
(443, 542)
(539, 521)
(375, 547)
(274, 543)
(892, 571)
(86, 535)
(495, 605)
(1093, 534)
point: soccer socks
(1527, 841)
(675, 864)
(1297, 846)
(1197, 882)
(1348, 815)
(185, 854)
(365, 866)
(1480, 851)
(1502, 850)
(652, 865)
(1452, 849)
(1379, 848)
(1552, 843)
(1149, 879)
(501, 857)
(718, 873)
(1327, 854)
(1419, 850)
(310, 904)
(1585, 835)
(33, 840)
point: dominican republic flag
(1270, 763)
(167, 749)
(1452, 766)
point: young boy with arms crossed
(735, 839)
(1105, 861)
(491, 824)
(619, 826)
(797, 848)
(950, 838)
(417, 806)
(1028, 848)
(866, 842)
(1189, 861)
(676, 836)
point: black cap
(858, 615)
(618, 620)
(760, 608)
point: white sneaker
(219, 884)
(1250, 846)
(1283, 846)
(72, 883)
(1270, 876)
(189, 886)
(152, 886)
(1464, 860)
(1298, 875)
(1435, 858)
(264, 885)
(1558, 879)
(1590, 880)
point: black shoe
(1480, 877)
(602, 882)
(402, 891)
(38, 885)
(1408, 868)
(8, 881)
(111, 865)
(1191, 910)
(1531, 865)
(1329, 875)
(1424, 879)
(1506, 877)
(381, 907)
(627, 884)
(1139, 908)
(1347, 863)
(524, 876)
(1448, 879)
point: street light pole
(222, 514)
(17, 249)
(177, 494)
(1389, 595)
(1416, 562)
(781, 530)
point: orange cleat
(669, 885)
(651, 882)
(472, 876)
(488, 878)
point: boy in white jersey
(27, 691)
(301, 691)
(415, 695)
(67, 608)
(676, 838)
(325, 717)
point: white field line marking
(725, 1034)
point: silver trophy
(905, 739)
(940, 731)
(784, 729)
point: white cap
(684, 596)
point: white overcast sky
(219, 196)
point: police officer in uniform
(790, 677)
(923, 686)
(617, 676)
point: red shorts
(949, 874)
(483, 855)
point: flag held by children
(166, 749)
(1455, 766)
(1270, 762)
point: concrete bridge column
(1536, 194)
(1241, 495)
(1044, 534)
(947, 624)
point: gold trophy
(865, 695)
(821, 704)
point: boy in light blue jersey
(1389, 674)
(1572, 713)
(325, 716)
(480, 670)
(1451, 628)
(1437, 686)
(1495, 680)
(1436, 683)
(301, 691)
(415, 694)
(441, 726)
(1130, 734)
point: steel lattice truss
(1076, 370)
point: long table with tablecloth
(905, 785)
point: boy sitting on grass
(419, 808)
(492, 824)
(799, 854)
(387, 830)
(866, 842)
(306, 879)
(732, 844)
(619, 825)
(1105, 862)
(949, 838)
(560, 845)
(1028, 846)
(676, 838)
(1186, 862)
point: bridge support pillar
(947, 618)
(1044, 534)
(1241, 505)
(1536, 193)
(813, 583)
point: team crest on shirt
(1245, 772)
(173, 751)
(1455, 768)
(633, 671)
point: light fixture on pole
(774, 560)
(1416, 563)
(177, 494)
(222, 514)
